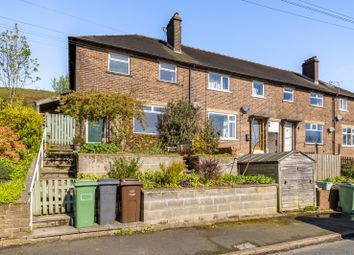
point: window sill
(228, 139)
(287, 101)
(348, 146)
(143, 133)
(220, 90)
(317, 106)
(169, 82)
(319, 144)
(257, 96)
(342, 110)
(116, 73)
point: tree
(61, 85)
(16, 65)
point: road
(344, 247)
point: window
(257, 135)
(316, 99)
(119, 63)
(288, 95)
(314, 133)
(168, 72)
(343, 104)
(219, 82)
(348, 137)
(224, 124)
(257, 89)
(152, 115)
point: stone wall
(197, 205)
(100, 164)
(14, 220)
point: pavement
(215, 239)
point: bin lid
(130, 182)
(85, 183)
(108, 181)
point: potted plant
(77, 142)
(325, 184)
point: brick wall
(14, 220)
(195, 205)
(143, 84)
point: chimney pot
(310, 69)
(174, 33)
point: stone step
(58, 168)
(48, 221)
(57, 175)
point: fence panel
(60, 129)
(326, 166)
(53, 196)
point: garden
(20, 136)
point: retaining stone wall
(196, 205)
(14, 220)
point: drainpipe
(334, 124)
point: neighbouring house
(254, 107)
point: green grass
(29, 95)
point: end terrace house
(256, 108)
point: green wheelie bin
(84, 203)
(346, 197)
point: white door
(288, 136)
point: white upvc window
(343, 104)
(218, 82)
(348, 137)
(314, 133)
(288, 95)
(316, 99)
(118, 63)
(224, 124)
(152, 118)
(257, 89)
(168, 72)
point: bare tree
(16, 65)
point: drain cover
(244, 246)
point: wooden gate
(60, 129)
(53, 196)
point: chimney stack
(174, 33)
(310, 68)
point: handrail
(35, 176)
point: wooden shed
(293, 171)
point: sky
(278, 33)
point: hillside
(29, 95)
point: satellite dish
(245, 108)
(339, 117)
(331, 129)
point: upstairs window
(224, 124)
(219, 82)
(316, 99)
(257, 89)
(118, 63)
(343, 104)
(348, 137)
(314, 133)
(168, 72)
(288, 95)
(152, 118)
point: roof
(267, 157)
(201, 58)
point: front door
(95, 131)
(288, 136)
(257, 136)
(273, 131)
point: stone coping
(129, 154)
(207, 188)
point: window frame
(228, 138)
(340, 104)
(322, 132)
(346, 133)
(292, 94)
(149, 111)
(118, 60)
(317, 96)
(162, 68)
(253, 91)
(222, 76)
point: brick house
(254, 107)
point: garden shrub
(206, 140)
(99, 148)
(172, 173)
(348, 170)
(208, 168)
(11, 191)
(229, 179)
(85, 176)
(10, 146)
(179, 124)
(6, 167)
(339, 179)
(125, 168)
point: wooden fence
(60, 129)
(53, 196)
(347, 160)
(326, 166)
